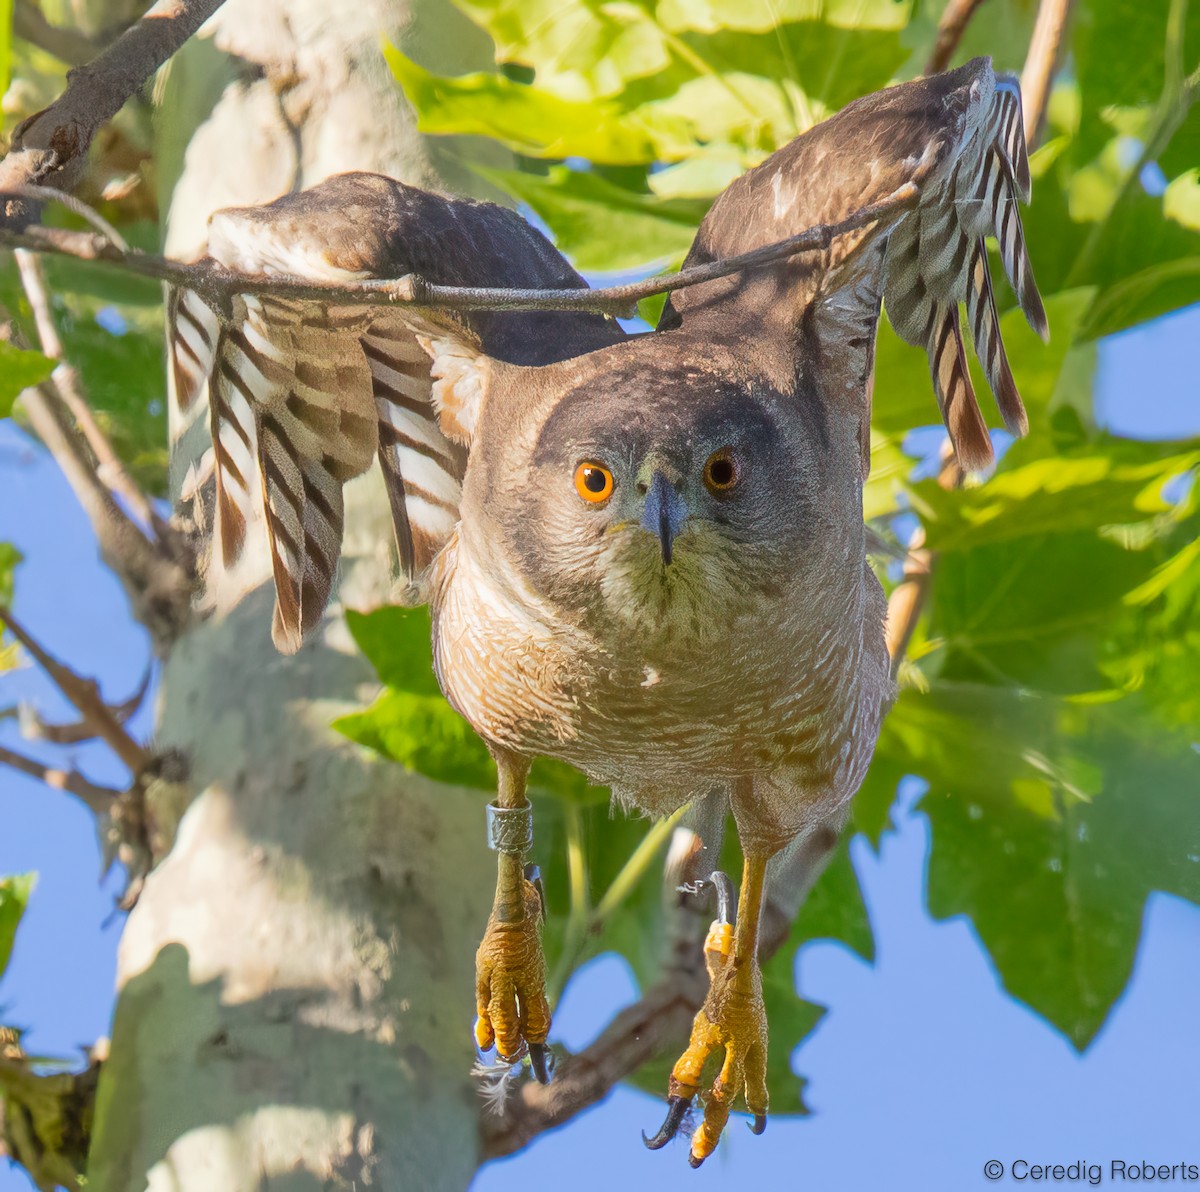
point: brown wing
(958, 136)
(303, 396)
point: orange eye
(720, 472)
(593, 482)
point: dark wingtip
(677, 1108)
(540, 1061)
(1035, 314)
(759, 1125)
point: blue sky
(922, 1070)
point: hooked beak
(664, 513)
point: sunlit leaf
(14, 897)
(5, 43)
(1034, 493)
(533, 121)
(18, 371)
(9, 558)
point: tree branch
(159, 588)
(70, 387)
(157, 578)
(907, 601)
(85, 695)
(956, 16)
(34, 728)
(99, 799)
(1044, 48)
(218, 286)
(52, 145)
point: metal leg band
(510, 829)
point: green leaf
(532, 121)
(1051, 825)
(1121, 50)
(9, 558)
(904, 394)
(601, 226)
(14, 896)
(411, 722)
(1106, 482)
(123, 375)
(1181, 201)
(422, 733)
(398, 643)
(18, 371)
(6, 7)
(834, 908)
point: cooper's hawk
(645, 555)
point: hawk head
(656, 486)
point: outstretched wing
(959, 138)
(302, 396)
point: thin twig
(907, 601)
(52, 145)
(159, 587)
(99, 799)
(1044, 48)
(85, 211)
(956, 16)
(84, 694)
(35, 728)
(157, 579)
(67, 45)
(70, 386)
(219, 286)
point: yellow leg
(510, 968)
(733, 1017)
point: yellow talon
(733, 1018)
(510, 986)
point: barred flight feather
(301, 399)
(937, 259)
(423, 468)
(192, 330)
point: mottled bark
(296, 979)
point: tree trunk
(296, 987)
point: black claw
(516, 1057)
(540, 1062)
(694, 1161)
(677, 1108)
(759, 1125)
